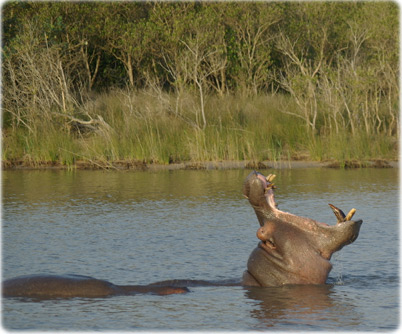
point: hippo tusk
(340, 216)
(269, 186)
(270, 177)
(350, 214)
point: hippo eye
(353, 238)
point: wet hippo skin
(67, 286)
(292, 250)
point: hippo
(67, 286)
(292, 250)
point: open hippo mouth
(292, 249)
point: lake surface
(143, 227)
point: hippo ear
(339, 214)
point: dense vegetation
(191, 81)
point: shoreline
(134, 165)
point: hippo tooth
(350, 214)
(269, 186)
(270, 177)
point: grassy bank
(156, 127)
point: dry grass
(157, 127)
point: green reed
(162, 128)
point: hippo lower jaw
(292, 249)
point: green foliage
(206, 81)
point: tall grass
(162, 128)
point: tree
(253, 25)
(125, 35)
(306, 43)
(192, 49)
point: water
(142, 227)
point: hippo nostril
(261, 234)
(265, 232)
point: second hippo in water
(70, 286)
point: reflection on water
(300, 305)
(277, 303)
(141, 227)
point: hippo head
(292, 249)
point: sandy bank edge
(209, 165)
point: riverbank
(137, 131)
(207, 165)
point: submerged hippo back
(51, 286)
